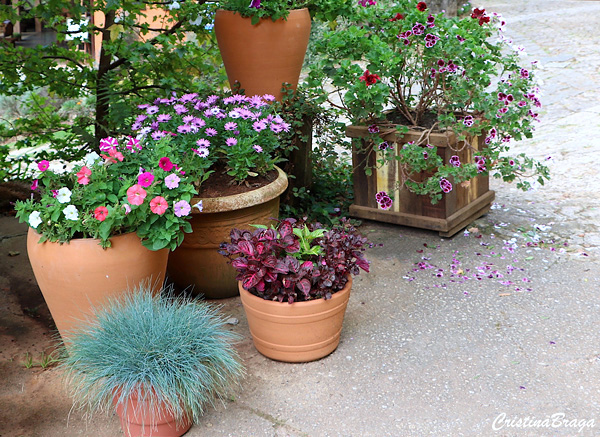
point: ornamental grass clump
(296, 261)
(166, 349)
(127, 186)
(237, 134)
(395, 63)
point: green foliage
(162, 349)
(436, 74)
(141, 59)
(106, 195)
(323, 10)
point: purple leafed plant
(296, 261)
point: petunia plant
(324, 10)
(398, 64)
(127, 186)
(237, 134)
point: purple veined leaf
(281, 267)
(304, 286)
(306, 265)
(293, 247)
(270, 276)
(250, 280)
(240, 263)
(285, 229)
(270, 261)
(292, 264)
(269, 235)
(246, 248)
(363, 264)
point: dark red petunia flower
(421, 6)
(397, 17)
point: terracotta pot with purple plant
(294, 281)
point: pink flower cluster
(383, 200)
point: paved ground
(494, 329)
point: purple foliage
(271, 264)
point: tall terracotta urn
(263, 56)
(77, 276)
(196, 264)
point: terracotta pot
(196, 263)
(263, 56)
(297, 332)
(138, 419)
(77, 276)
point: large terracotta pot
(297, 332)
(140, 419)
(263, 56)
(77, 276)
(196, 264)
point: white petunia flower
(71, 212)
(64, 195)
(91, 158)
(34, 219)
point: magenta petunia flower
(43, 165)
(165, 163)
(181, 208)
(34, 185)
(133, 143)
(159, 205)
(145, 179)
(108, 143)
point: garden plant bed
(458, 208)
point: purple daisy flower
(203, 143)
(257, 148)
(152, 109)
(163, 118)
(259, 125)
(211, 132)
(184, 129)
(230, 125)
(157, 135)
(231, 141)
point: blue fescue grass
(162, 349)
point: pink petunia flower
(136, 195)
(172, 181)
(181, 208)
(83, 175)
(158, 205)
(101, 213)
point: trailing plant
(398, 64)
(129, 187)
(296, 261)
(167, 349)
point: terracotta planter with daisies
(196, 264)
(462, 204)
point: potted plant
(98, 226)
(158, 360)
(434, 103)
(263, 43)
(294, 282)
(234, 141)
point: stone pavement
(479, 335)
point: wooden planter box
(456, 209)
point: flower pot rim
(81, 240)
(292, 11)
(244, 200)
(307, 303)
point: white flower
(63, 195)
(174, 5)
(234, 114)
(197, 21)
(91, 158)
(71, 212)
(199, 206)
(34, 219)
